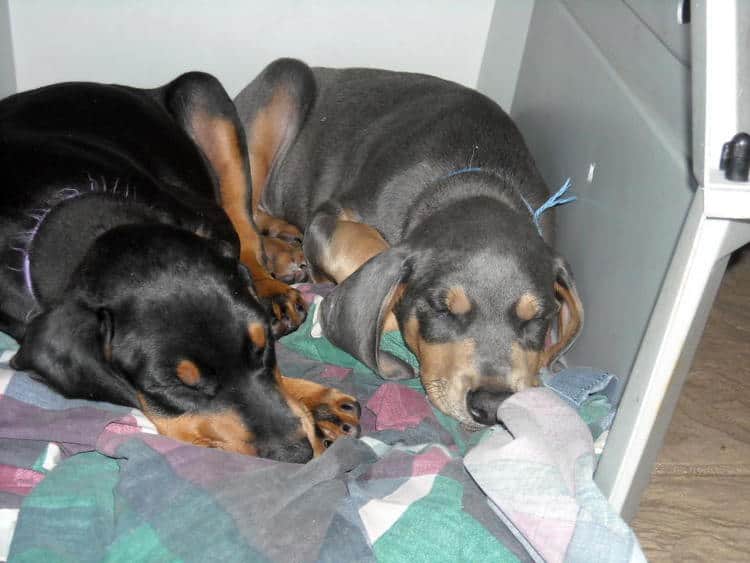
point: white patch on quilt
(8, 519)
(317, 330)
(6, 374)
(51, 456)
(380, 448)
(379, 515)
(601, 441)
(144, 424)
(6, 355)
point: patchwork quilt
(85, 481)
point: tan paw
(336, 414)
(285, 260)
(288, 309)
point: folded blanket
(93, 481)
(92, 484)
(538, 475)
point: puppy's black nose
(483, 405)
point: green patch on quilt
(428, 530)
(95, 508)
(69, 507)
(139, 544)
(594, 411)
(7, 343)
(42, 555)
(393, 343)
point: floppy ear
(272, 109)
(68, 347)
(570, 318)
(352, 316)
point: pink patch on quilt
(429, 463)
(549, 536)
(126, 425)
(109, 442)
(335, 372)
(18, 480)
(397, 407)
(306, 290)
(367, 421)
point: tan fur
(301, 411)
(223, 430)
(352, 244)
(265, 135)
(312, 395)
(257, 333)
(218, 139)
(525, 367)
(457, 301)
(569, 327)
(447, 370)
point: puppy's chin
(456, 411)
(472, 425)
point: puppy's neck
(463, 198)
(65, 231)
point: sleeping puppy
(416, 196)
(124, 279)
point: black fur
(113, 210)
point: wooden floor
(697, 506)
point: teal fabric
(7, 343)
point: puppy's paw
(288, 309)
(285, 260)
(336, 414)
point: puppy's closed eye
(106, 332)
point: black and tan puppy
(415, 195)
(121, 273)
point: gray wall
(146, 43)
(7, 70)
(603, 100)
(503, 52)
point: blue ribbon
(552, 201)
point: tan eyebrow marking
(188, 372)
(527, 307)
(457, 301)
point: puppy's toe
(285, 260)
(336, 415)
(287, 308)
